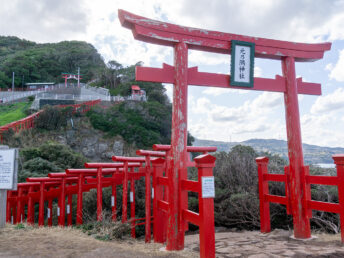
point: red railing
(125, 171)
(307, 180)
(28, 122)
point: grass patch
(13, 112)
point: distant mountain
(313, 154)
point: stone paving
(278, 243)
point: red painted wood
(205, 164)
(99, 194)
(132, 209)
(264, 206)
(163, 33)
(324, 206)
(190, 185)
(275, 199)
(339, 161)
(151, 153)
(30, 207)
(80, 199)
(148, 198)
(163, 205)
(50, 207)
(125, 193)
(41, 205)
(69, 213)
(165, 75)
(177, 159)
(114, 198)
(160, 218)
(62, 202)
(322, 180)
(300, 220)
(275, 177)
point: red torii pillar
(184, 38)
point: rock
(118, 148)
(62, 140)
(89, 152)
(102, 147)
(107, 155)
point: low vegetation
(13, 112)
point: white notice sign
(131, 197)
(7, 159)
(208, 187)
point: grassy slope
(13, 112)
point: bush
(52, 118)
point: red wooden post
(132, 207)
(148, 200)
(265, 225)
(79, 202)
(99, 194)
(307, 192)
(41, 205)
(177, 159)
(8, 207)
(125, 192)
(19, 205)
(339, 161)
(50, 212)
(30, 207)
(300, 220)
(205, 164)
(159, 226)
(114, 197)
(62, 202)
(69, 209)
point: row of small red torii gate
(125, 170)
(296, 178)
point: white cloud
(328, 103)
(337, 71)
(43, 21)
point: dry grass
(70, 242)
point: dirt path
(68, 242)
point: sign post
(8, 177)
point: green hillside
(33, 62)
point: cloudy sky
(214, 114)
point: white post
(3, 202)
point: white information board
(7, 169)
(208, 187)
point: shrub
(52, 118)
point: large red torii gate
(184, 38)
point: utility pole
(78, 76)
(12, 81)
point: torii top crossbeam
(163, 33)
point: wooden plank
(190, 185)
(163, 33)
(322, 180)
(166, 75)
(275, 199)
(191, 216)
(275, 177)
(323, 206)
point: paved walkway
(275, 244)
